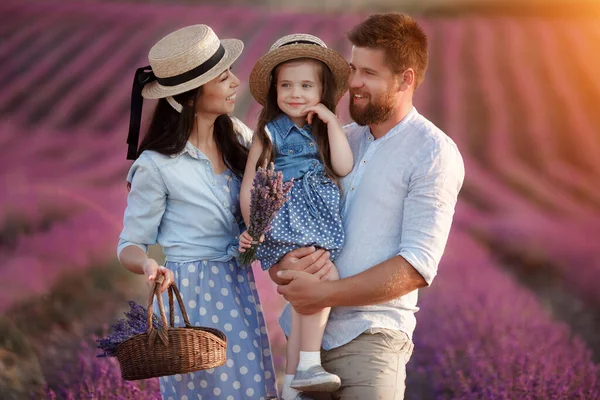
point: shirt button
(352, 188)
(312, 144)
(364, 161)
(225, 203)
(291, 151)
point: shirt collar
(284, 125)
(395, 129)
(192, 151)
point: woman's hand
(152, 271)
(322, 112)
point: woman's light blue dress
(179, 202)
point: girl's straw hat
(181, 61)
(298, 45)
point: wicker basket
(177, 350)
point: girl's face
(298, 86)
(218, 96)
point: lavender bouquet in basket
(135, 323)
(267, 196)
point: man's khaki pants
(371, 367)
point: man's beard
(374, 112)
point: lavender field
(515, 310)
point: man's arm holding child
(428, 212)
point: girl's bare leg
(310, 375)
(292, 352)
(292, 357)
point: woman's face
(217, 97)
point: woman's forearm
(134, 259)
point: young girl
(184, 196)
(299, 82)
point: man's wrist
(331, 290)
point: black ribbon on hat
(143, 76)
(301, 42)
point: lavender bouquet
(268, 194)
(135, 323)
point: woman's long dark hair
(319, 129)
(169, 131)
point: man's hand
(306, 292)
(306, 259)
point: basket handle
(162, 331)
(186, 320)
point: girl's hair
(169, 131)
(319, 129)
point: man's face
(373, 86)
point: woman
(184, 195)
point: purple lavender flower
(268, 194)
(125, 328)
(90, 378)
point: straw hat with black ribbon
(181, 61)
(290, 47)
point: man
(397, 208)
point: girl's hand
(322, 112)
(246, 241)
(152, 271)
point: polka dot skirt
(222, 295)
(310, 217)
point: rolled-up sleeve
(146, 204)
(429, 208)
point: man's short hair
(401, 38)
